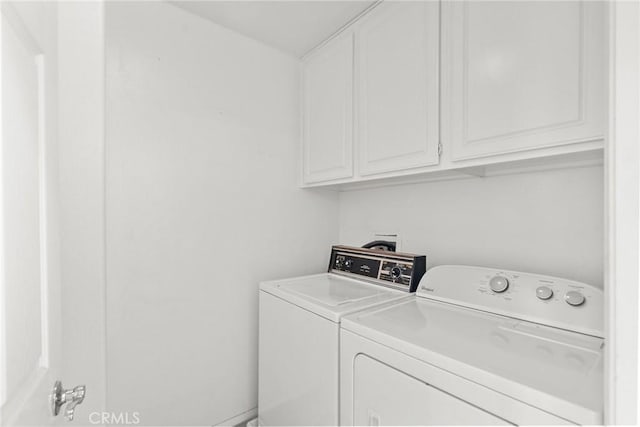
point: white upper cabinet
(328, 112)
(521, 75)
(491, 83)
(397, 87)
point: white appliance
(476, 346)
(300, 331)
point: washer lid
(552, 369)
(330, 295)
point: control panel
(547, 300)
(393, 269)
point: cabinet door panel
(524, 75)
(397, 49)
(328, 112)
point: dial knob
(348, 263)
(339, 262)
(574, 298)
(396, 272)
(544, 292)
(498, 284)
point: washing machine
(299, 330)
(476, 346)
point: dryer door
(386, 396)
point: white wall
(202, 204)
(622, 373)
(81, 118)
(545, 222)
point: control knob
(499, 284)
(574, 298)
(544, 292)
(348, 263)
(396, 272)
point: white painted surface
(81, 118)
(507, 92)
(202, 166)
(547, 222)
(30, 326)
(292, 26)
(327, 93)
(21, 214)
(623, 217)
(397, 78)
(521, 75)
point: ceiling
(291, 26)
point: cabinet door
(328, 112)
(397, 51)
(521, 75)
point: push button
(574, 298)
(544, 292)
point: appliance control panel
(392, 269)
(546, 300)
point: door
(30, 324)
(397, 69)
(328, 112)
(521, 75)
